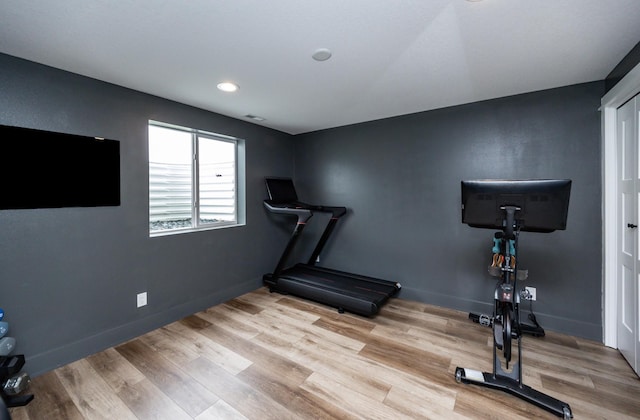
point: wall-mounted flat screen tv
(42, 169)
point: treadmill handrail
(303, 214)
(336, 211)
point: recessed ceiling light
(228, 87)
(321, 54)
(254, 117)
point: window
(193, 180)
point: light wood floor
(269, 356)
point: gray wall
(400, 177)
(69, 277)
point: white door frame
(624, 90)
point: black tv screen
(543, 203)
(42, 169)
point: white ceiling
(389, 58)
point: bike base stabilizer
(513, 387)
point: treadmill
(349, 292)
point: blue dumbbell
(496, 245)
(1, 314)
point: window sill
(191, 230)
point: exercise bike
(505, 321)
(495, 270)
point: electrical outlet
(531, 293)
(142, 299)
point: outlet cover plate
(532, 293)
(142, 299)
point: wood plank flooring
(269, 356)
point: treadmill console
(281, 191)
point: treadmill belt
(348, 292)
(342, 284)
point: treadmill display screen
(281, 190)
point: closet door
(629, 219)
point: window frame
(238, 187)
